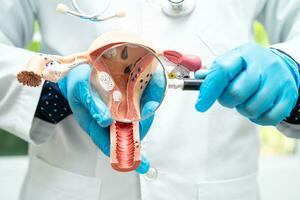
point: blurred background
(279, 162)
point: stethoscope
(173, 8)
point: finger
(201, 73)
(99, 110)
(210, 89)
(79, 95)
(263, 99)
(281, 109)
(155, 89)
(147, 111)
(81, 114)
(240, 88)
(144, 165)
(100, 136)
(224, 69)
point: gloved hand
(261, 83)
(95, 120)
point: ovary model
(120, 75)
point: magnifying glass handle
(192, 84)
(185, 84)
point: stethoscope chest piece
(178, 8)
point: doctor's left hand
(92, 119)
(261, 83)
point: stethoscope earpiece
(120, 14)
(63, 9)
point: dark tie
(52, 106)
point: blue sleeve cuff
(294, 117)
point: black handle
(192, 84)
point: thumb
(98, 110)
(144, 165)
(223, 70)
(211, 88)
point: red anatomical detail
(191, 62)
(125, 146)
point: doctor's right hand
(95, 120)
(261, 83)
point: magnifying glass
(126, 76)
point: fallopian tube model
(123, 65)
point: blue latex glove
(261, 83)
(95, 120)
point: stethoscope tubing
(92, 16)
(169, 7)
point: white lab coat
(196, 156)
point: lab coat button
(151, 174)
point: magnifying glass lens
(130, 80)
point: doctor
(194, 155)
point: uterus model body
(120, 75)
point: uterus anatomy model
(123, 65)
